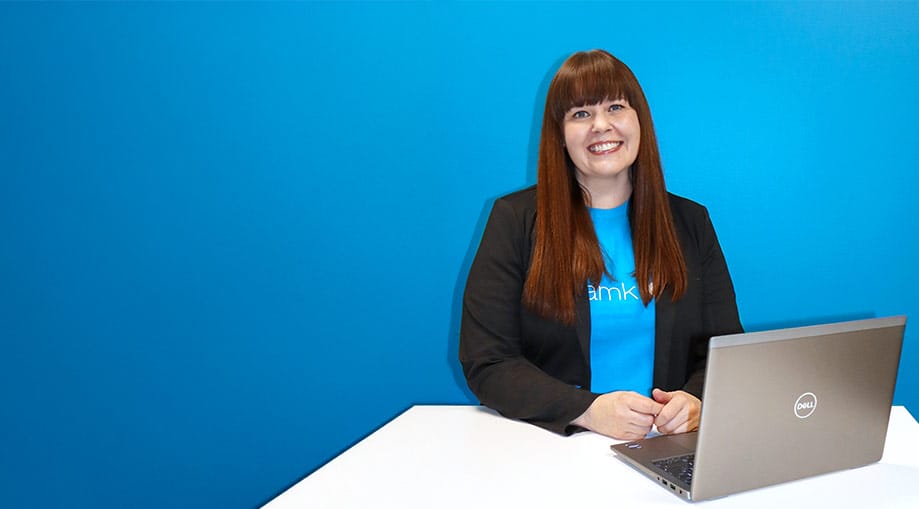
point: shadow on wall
(459, 287)
(530, 177)
(539, 106)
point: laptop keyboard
(678, 466)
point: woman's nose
(602, 122)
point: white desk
(470, 457)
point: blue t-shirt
(621, 327)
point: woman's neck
(608, 193)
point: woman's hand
(680, 412)
(621, 415)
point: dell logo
(805, 405)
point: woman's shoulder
(514, 213)
(682, 207)
(519, 205)
(690, 217)
(524, 199)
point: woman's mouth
(604, 147)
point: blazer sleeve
(719, 303)
(491, 349)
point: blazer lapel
(582, 326)
(664, 312)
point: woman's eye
(616, 107)
(579, 114)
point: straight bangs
(585, 79)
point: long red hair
(567, 254)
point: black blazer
(530, 368)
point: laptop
(781, 405)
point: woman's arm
(719, 303)
(492, 350)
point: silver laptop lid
(792, 403)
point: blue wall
(233, 238)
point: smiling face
(602, 140)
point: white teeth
(603, 147)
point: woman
(596, 285)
